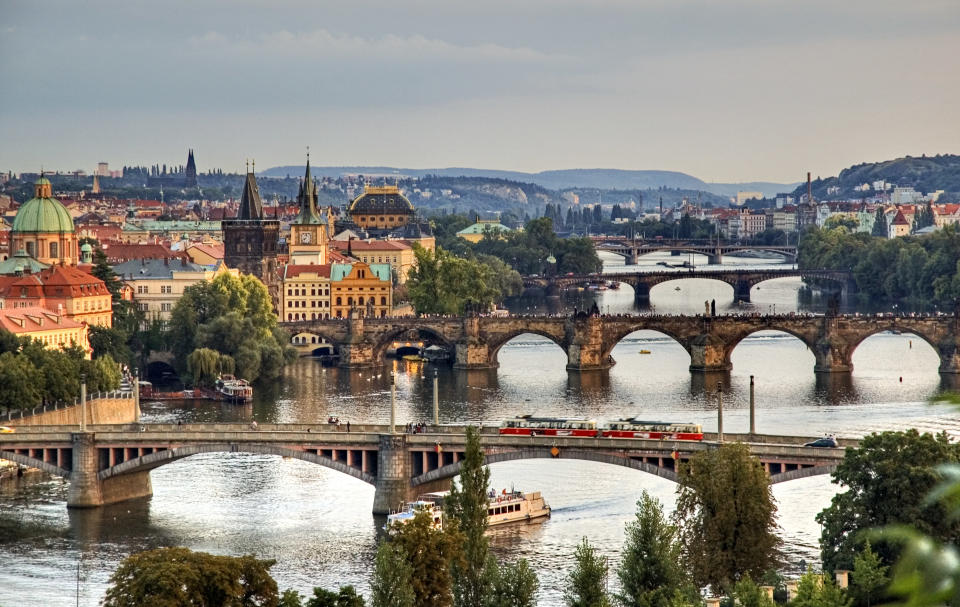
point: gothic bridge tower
(251, 239)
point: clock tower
(308, 232)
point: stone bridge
(740, 279)
(632, 249)
(112, 463)
(589, 341)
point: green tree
(346, 597)
(748, 594)
(206, 365)
(887, 478)
(869, 576)
(431, 554)
(650, 573)
(880, 224)
(102, 270)
(443, 284)
(815, 590)
(513, 585)
(466, 506)
(22, 382)
(111, 341)
(169, 577)
(392, 585)
(233, 316)
(587, 582)
(290, 598)
(727, 516)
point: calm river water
(317, 524)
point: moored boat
(411, 509)
(234, 390)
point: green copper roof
(478, 228)
(43, 215)
(21, 262)
(339, 271)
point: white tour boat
(504, 507)
(234, 390)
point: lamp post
(436, 400)
(719, 412)
(753, 412)
(83, 402)
(393, 403)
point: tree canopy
(887, 479)
(650, 574)
(587, 582)
(234, 317)
(466, 507)
(431, 553)
(172, 577)
(442, 283)
(727, 516)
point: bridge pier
(715, 258)
(86, 488)
(357, 355)
(833, 355)
(634, 258)
(585, 352)
(473, 354)
(641, 294)
(708, 353)
(741, 291)
(392, 488)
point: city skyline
(744, 91)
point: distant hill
(924, 173)
(556, 180)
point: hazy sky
(729, 90)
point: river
(317, 524)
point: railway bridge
(589, 340)
(742, 280)
(112, 463)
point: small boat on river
(234, 390)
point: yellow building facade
(157, 284)
(360, 286)
(304, 293)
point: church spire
(251, 206)
(307, 198)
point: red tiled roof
(26, 320)
(118, 252)
(213, 250)
(363, 245)
(294, 270)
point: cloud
(325, 45)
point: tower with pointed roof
(308, 233)
(251, 239)
(190, 180)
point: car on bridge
(6, 430)
(826, 441)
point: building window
(166, 307)
(383, 301)
(53, 249)
(32, 249)
(339, 302)
(143, 307)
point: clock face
(305, 237)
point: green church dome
(43, 212)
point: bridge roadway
(742, 280)
(632, 249)
(111, 463)
(589, 341)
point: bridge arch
(32, 462)
(169, 456)
(896, 328)
(734, 341)
(452, 470)
(423, 334)
(618, 336)
(499, 341)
